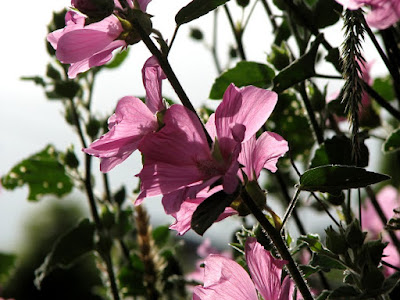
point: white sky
(28, 121)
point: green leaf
(161, 235)
(36, 79)
(333, 57)
(67, 89)
(118, 59)
(307, 270)
(384, 87)
(326, 262)
(337, 150)
(299, 70)
(313, 241)
(333, 178)
(42, 172)
(7, 262)
(68, 249)
(392, 143)
(196, 9)
(209, 210)
(326, 13)
(244, 73)
(344, 292)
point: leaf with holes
(42, 172)
(392, 143)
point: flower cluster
(178, 160)
(226, 279)
(383, 14)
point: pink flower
(262, 153)
(203, 251)
(178, 158)
(383, 14)
(88, 46)
(226, 279)
(131, 121)
(389, 199)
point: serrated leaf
(344, 292)
(196, 9)
(325, 262)
(68, 249)
(392, 143)
(42, 172)
(118, 59)
(333, 178)
(209, 210)
(244, 73)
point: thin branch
(382, 102)
(270, 15)
(237, 33)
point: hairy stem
(237, 33)
(280, 246)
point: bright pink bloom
(178, 158)
(383, 14)
(262, 153)
(88, 46)
(131, 122)
(389, 199)
(226, 279)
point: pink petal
(143, 4)
(225, 279)
(265, 270)
(210, 127)
(133, 120)
(384, 14)
(249, 106)
(173, 154)
(270, 147)
(97, 59)
(152, 77)
(81, 44)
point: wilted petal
(153, 75)
(132, 121)
(225, 279)
(265, 270)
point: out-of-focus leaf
(244, 73)
(196, 9)
(337, 151)
(7, 262)
(333, 57)
(36, 79)
(161, 235)
(299, 70)
(68, 249)
(344, 292)
(283, 32)
(67, 89)
(42, 172)
(118, 59)
(326, 13)
(333, 178)
(131, 277)
(392, 143)
(384, 87)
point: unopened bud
(243, 3)
(196, 34)
(95, 9)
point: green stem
(165, 65)
(280, 246)
(310, 112)
(237, 33)
(270, 15)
